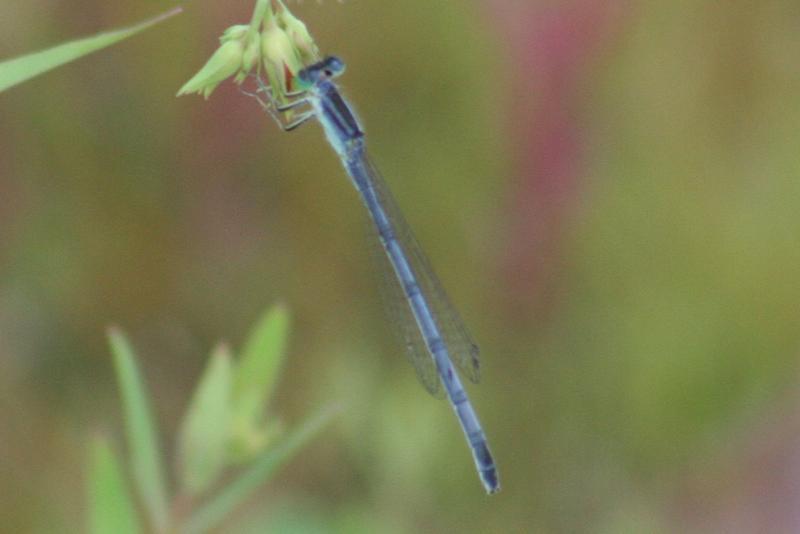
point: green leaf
(145, 458)
(18, 70)
(203, 439)
(110, 505)
(213, 512)
(257, 372)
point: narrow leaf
(143, 448)
(20, 69)
(210, 515)
(110, 505)
(257, 372)
(202, 443)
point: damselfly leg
(265, 96)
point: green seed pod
(234, 33)
(225, 62)
(280, 58)
(299, 34)
(251, 56)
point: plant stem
(262, 13)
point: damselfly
(438, 338)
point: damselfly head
(330, 67)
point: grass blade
(213, 512)
(20, 69)
(143, 448)
(258, 370)
(203, 439)
(110, 506)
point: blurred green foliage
(636, 370)
(209, 441)
(111, 508)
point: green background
(609, 191)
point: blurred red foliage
(554, 48)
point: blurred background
(608, 189)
